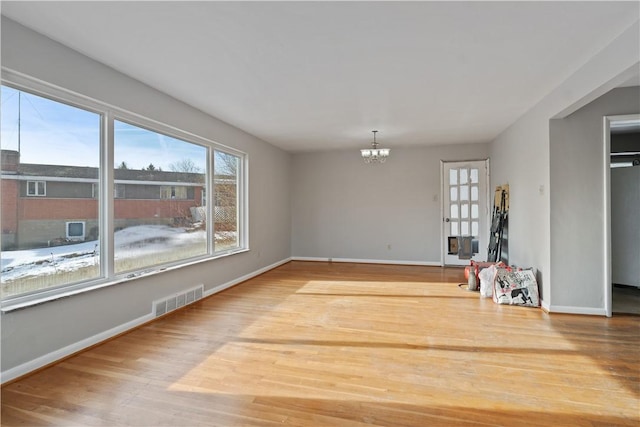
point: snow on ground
(130, 242)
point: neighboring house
(50, 204)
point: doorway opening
(622, 202)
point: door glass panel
(474, 193)
(474, 210)
(474, 228)
(464, 192)
(464, 210)
(464, 228)
(464, 177)
(453, 177)
(454, 228)
(454, 211)
(474, 176)
(454, 194)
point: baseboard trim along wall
(57, 355)
(244, 278)
(369, 261)
(591, 311)
(62, 353)
(545, 306)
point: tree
(185, 165)
(149, 168)
(226, 164)
(123, 165)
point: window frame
(106, 191)
(36, 186)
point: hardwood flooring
(332, 344)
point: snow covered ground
(130, 243)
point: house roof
(80, 172)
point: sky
(55, 133)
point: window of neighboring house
(173, 192)
(150, 222)
(36, 188)
(119, 191)
(46, 138)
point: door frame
(442, 194)
(606, 262)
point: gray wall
(344, 208)
(625, 227)
(520, 156)
(36, 331)
(577, 202)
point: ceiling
(308, 76)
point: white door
(465, 207)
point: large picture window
(226, 193)
(66, 195)
(168, 175)
(42, 244)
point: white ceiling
(312, 75)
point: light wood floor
(319, 344)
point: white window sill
(19, 303)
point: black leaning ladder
(497, 227)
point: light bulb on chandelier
(375, 154)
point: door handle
(447, 220)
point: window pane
(464, 176)
(453, 176)
(454, 211)
(454, 228)
(474, 228)
(158, 215)
(453, 193)
(464, 225)
(464, 210)
(464, 192)
(226, 173)
(474, 210)
(474, 193)
(474, 176)
(49, 240)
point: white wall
(577, 202)
(520, 156)
(37, 334)
(344, 208)
(625, 227)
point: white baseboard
(244, 278)
(545, 306)
(592, 311)
(61, 353)
(368, 261)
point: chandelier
(375, 154)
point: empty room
(320, 213)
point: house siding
(71, 196)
